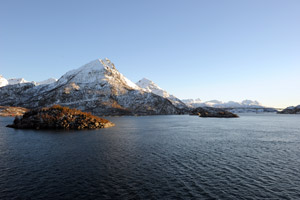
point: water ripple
(156, 157)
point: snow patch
(14, 81)
(46, 82)
(3, 81)
(149, 86)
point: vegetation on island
(59, 117)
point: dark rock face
(291, 110)
(212, 112)
(58, 117)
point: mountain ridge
(233, 106)
(96, 87)
(150, 86)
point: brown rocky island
(58, 117)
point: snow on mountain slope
(14, 81)
(250, 103)
(150, 86)
(220, 104)
(3, 81)
(190, 101)
(97, 87)
(48, 81)
(232, 106)
(98, 70)
(213, 103)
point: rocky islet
(58, 117)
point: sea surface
(256, 156)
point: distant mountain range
(219, 104)
(232, 106)
(13, 81)
(100, 88)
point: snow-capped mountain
(3, 81)
(48, 81)
(232, 106)
(191, 101)
(96, 87)
(219, 104)
(14, 81)
(150, 86)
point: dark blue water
(155, 157)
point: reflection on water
(155, 157)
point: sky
(207, 49)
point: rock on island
(58, 117)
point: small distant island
(212, 112)
(59, 117)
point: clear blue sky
(208, 49)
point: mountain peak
(150, 86)
(96, 65)
(47, 81)
(99, 71)
(145, 80)
(147, 84)
(3, 81)
(87, 73)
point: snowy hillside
(14, 81)
(97, 87)
(48, 81)
(98, 71)
(150, 86)
(191, 101)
